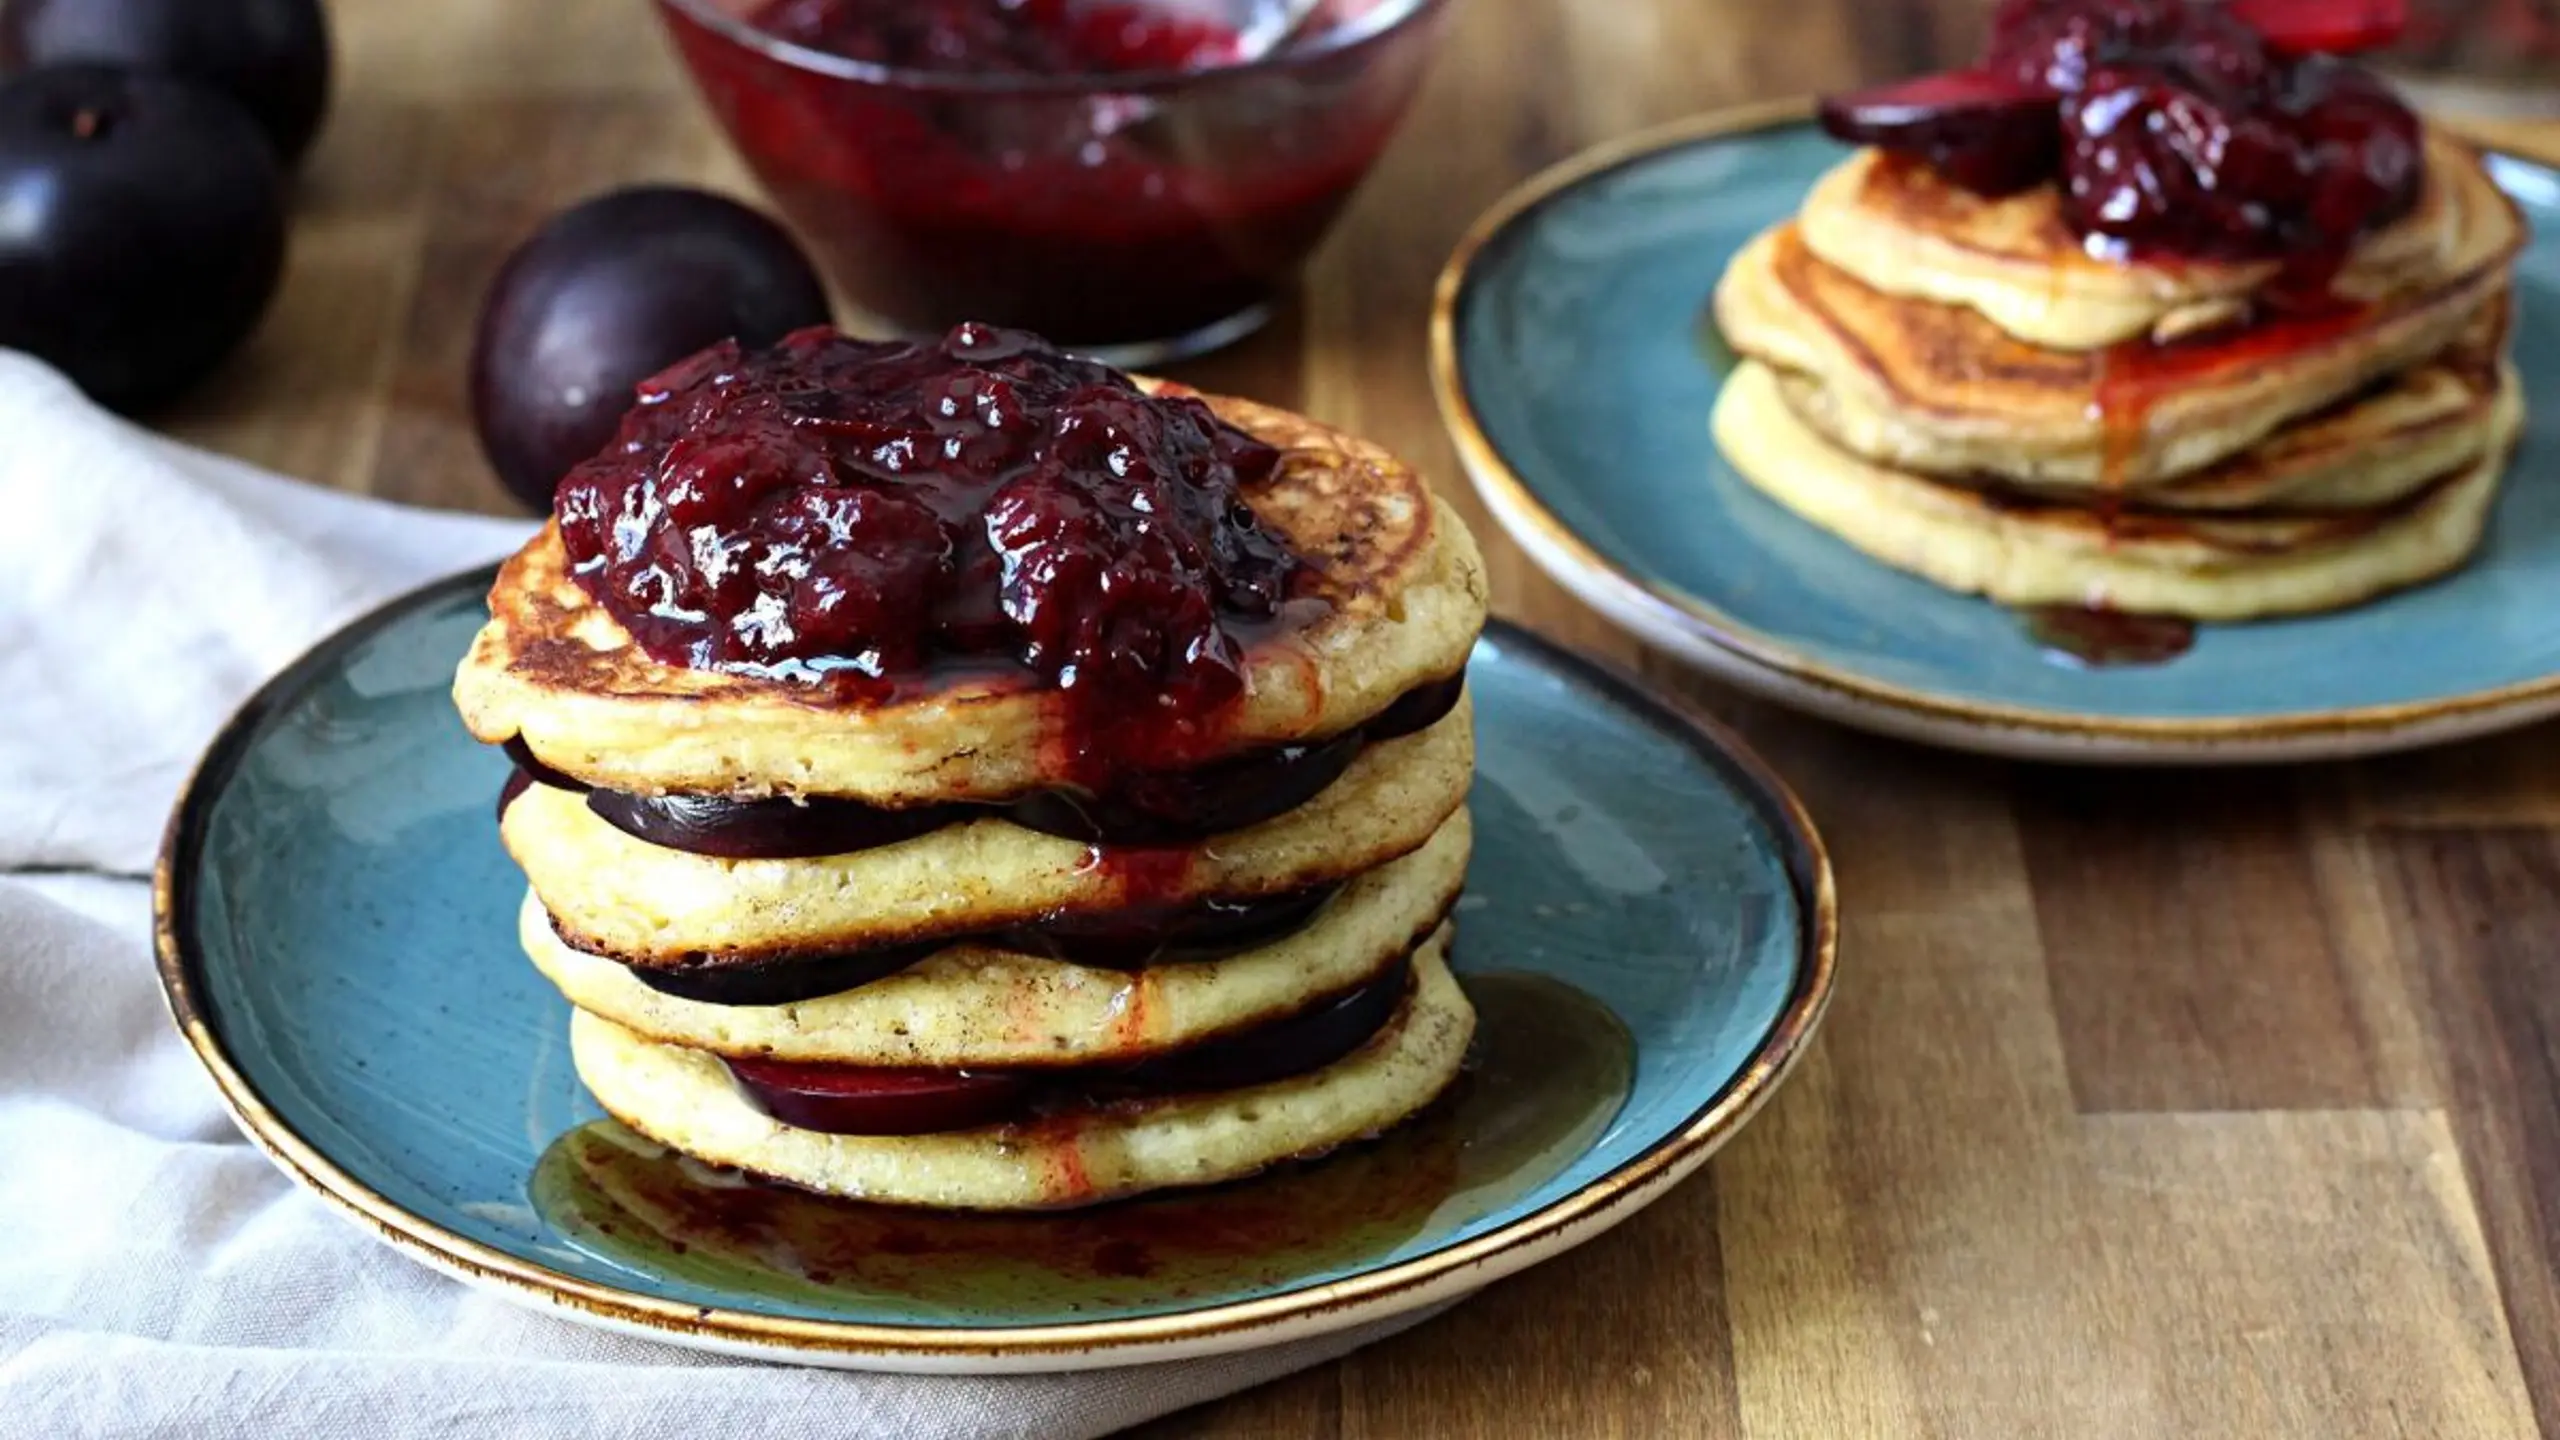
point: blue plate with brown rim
(1576, 376)
(1648, 936)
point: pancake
(2218, 568)
(685, 1099)
(615, 895)
(1403, 583)
(978, 1006)
(1901, 228)
(2383, 446)
(1940, 390)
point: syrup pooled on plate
(2098, 639)
(1549, 1071)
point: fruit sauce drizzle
(2174, 131)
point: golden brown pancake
(1940, 390)
(1899, 227)
(2226, 567)
(973, 1005)
(2392, 441)
(685, 1099)
(1403, 591)
(612, 894)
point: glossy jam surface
(1548, 1072)
(2175, 128)
(1002, 37)
(843, 513)
(939, 192)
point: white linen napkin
(158, 1276)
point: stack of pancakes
(933, 940)
(1956, 386)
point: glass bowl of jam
(1115, 174)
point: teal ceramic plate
(1649, 931)
(1575, 372)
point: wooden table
(2211, 1105)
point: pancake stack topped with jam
(2164, 309)
(960, 775)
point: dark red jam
(1003, 37)
(979, 178)
(2179, 128)
(845, 514)
(875, 1100)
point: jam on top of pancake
(846, 513)
(2173, 128)
(1003, 37)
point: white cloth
(157, 1275)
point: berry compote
(2175, 128)
(1003, 37)
(1101, 174)
(844, 514)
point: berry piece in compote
(2326, 27)
(1989, 133)
(2180, 128)
(847, 513)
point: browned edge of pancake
(1133, 1109)
(1332, 499)
(2475, 364)
(1005, 914)
(1950, 341)
(1313, 1000)
(1953, 216)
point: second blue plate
(1577, 377)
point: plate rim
(1701, 632)
(1372, 1294)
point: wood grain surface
(2209, 1106)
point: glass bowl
(1137, 217)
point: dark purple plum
(270, 56)
(1309, 1040)
(608, 294)
(868, 1100)
(145, 232)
